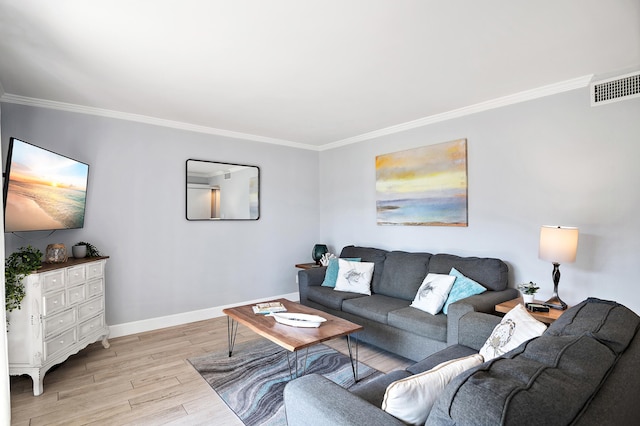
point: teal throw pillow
(462, 287)
(331, 274)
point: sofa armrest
(474, 328)
(484, 302)
(314, 400)
(308, 278)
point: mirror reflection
(222, 191)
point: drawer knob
(62, 342)
(54, 280)
(61, 321)
(55, 302)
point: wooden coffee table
(290, 338)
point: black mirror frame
(223, 164)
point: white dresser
(61, 314)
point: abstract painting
(424, 186)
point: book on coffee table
(268, 308)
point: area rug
(251, 382)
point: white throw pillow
(412, 398)
(354, 276)
(516, 327)
(433, 293)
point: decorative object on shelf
(558, 244)
(92, 251)
(299, 320)
(324, 260)
(79, 251)
(318, 251)
(56, 253)
(17, 266)
(528, 291)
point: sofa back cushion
(491, 273)
(403, 274)
(368, 254)
(550, 379)
(611, 323)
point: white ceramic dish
(298, 320)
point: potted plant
(17, 266)
(528, 290)
(91, 250)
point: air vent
(615, 89)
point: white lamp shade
(558, 244)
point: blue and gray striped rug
(252, 380)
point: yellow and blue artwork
(424, 186)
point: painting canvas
(423, 186)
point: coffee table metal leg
(293, 373)
(354, 366)
(232, 330)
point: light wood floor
(145, 379)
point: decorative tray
(298, 320)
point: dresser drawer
(59, 343)
(96, 287)
(94, 270)
(56, 323)
(76, 274)
(53, 302)
(89, 326)
(76, 294)
(52, 281)
(91, 308)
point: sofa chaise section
(584, 370)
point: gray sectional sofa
(584, 370)
(389, 322)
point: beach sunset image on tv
(45, 191)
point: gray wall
(160, 263)
(554, 160)
(550, 161)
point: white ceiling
(304, 72)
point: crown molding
(81, 109)
(527, 95)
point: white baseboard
(150, 324)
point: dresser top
(72, 261)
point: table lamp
(558, 244)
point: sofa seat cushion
(420, 322)
(403, 274)
(375, 307)
(327, 296)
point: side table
(307, 265)
(545, 317)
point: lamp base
(556, 303)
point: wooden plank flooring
(145, 379)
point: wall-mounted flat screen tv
(43, 191)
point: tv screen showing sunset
(45, 191)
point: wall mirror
(222, 191)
